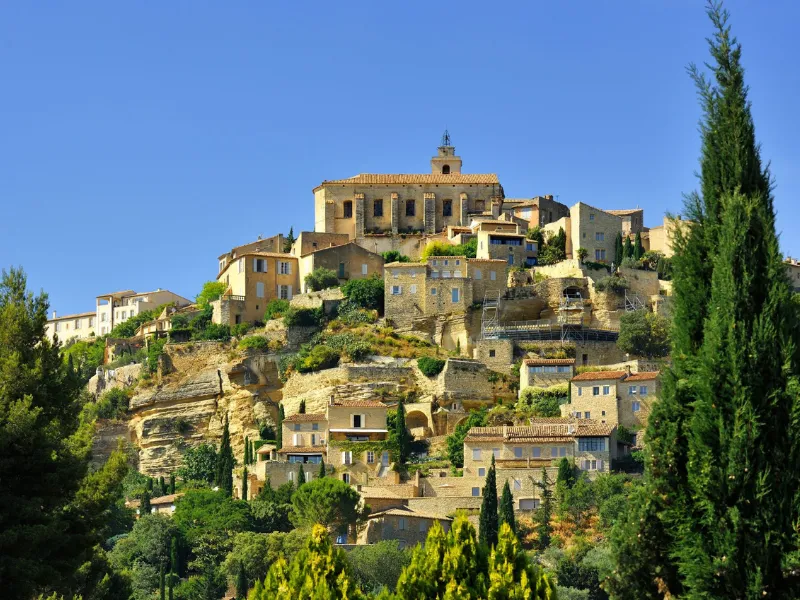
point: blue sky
(140, 141)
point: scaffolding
(633, 302)
(490, 317)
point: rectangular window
(635, 406)
(591, 444)
(580, 391)
(632, 390)
(589, 464)
(596, 390)
(476, 454)
(413, 289)
(517, 452)
(599, 254)
(599, 236)
(587, 415)
(240, 265)
(401, 523)
(482, 472)
(259, 265)
(364, 268)
(411, 208)
(259, 289)
(492, 353)
(377, 208)
(91, 321)
(517, 485)
(606, 390)
(285, 268)
(346, 479)
(643, 390)
(347, 458)
(357, 421)
(446, 275)
(476, 274)
(454, 295)
(457, 274)
(492, 275)
(562, 451)
(433, 291)
(423, 526)
(476, 492)
(496, 452)
(348, 209)
(370, 458)
(285, 292)
(537, 453)
(315, 426)
(397, 290)
(77, 324)
(435, 274)
(297, 426)
(447, 208)
(591, 216)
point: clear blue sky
(139, 141)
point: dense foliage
(543, 402)
(455, 441)
(430, 366)
(644, 333)
(365, 293)
(321, 279)
(554, 249)
(391, 256)
(211, 291)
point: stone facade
(311, 241)
(409, 527)
(661, 238)
(632, 220)
(544, 372)
(498, 355)
(512, 248)
(593, 229)
(348, 261)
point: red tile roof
(359, 404)
(302, 450)
(542, 431)
(304, 418)
(549, 361)
(410, 178)
(643, 376)
(599, 375)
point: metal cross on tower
(446, 139)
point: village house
(118, 307)
(502, 240)
(539, 210)
(793, 271)
(408, 526)
(590, 228)
(163, 505)
(253, 277)
(632, 220)
(348, 261)
(311, 241)
(382, 205)
(615, 397)
(161, 325)
(661, 238)
(71, 327)
(545, 372)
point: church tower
(446, 161)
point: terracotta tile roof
(542, 431)
(599, 375)
(303, 450)
(487, 260)
(407, 512)
(304, 418)
(265, 448)
(268, 254)
(73, 316)
(387, 492)
(625, 212)
(504, 233)
(549, 361)
(589, 427)
(360, 404)
(643, 376)
(410, 178)
(405, 264)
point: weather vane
(446, 138)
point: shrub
(612, 283)
(275, 309)
(630, 263)
(320, 357)
(644, 333)
(394, 256)
(154, 350)
(321, 279)
(351, 314)
(365, 293)
(214, 331)
(254, 342)
(112, 404)
(468, 250)
(128, 328)
(429, 366)
(303, 317)
(348, 344)
(210, 292)
(543, 402)
(240, 329)
(596, 266)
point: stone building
(311, 241)
(118, 307)
(348, 261)
(545, 372)
(793, 272)
(539, 210)
(253, 277)
(614, 397)
(71, 327)
(591, 228)
(632, 220)
(375, 208)
(409, 527)
(590, 443)
(501, 243)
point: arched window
(445, 169)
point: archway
(417, 423)
(446, 170)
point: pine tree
(638, 249)
(506, 511)
(619, 250)
(241, 584)
(225, 461)
(512, 576)
(172, 483)
(144, 504)
(162, 583)
(627, 250)
(544, 529)
(246, 459)
(302, 408)
(715, 517)
(279, 428)
(322, 472)
(566, 473)
(301, 476)
(244, 484)
(488, 518)
(401, 433)
(173, 564)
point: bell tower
(446, 162)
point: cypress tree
(279, 428)
(163, 485)
(173, 556)
(241, 583)
(627, 250)
(401, 433)
(322, 472)
(161, 583)
(301, 476)
(488, 518)
(715, 517)
(225, 461)
(544, 530)
(246, 459)
(172, 483)
(619, 250)
(150, 484)
(244, 484)
(566, 473)
(144, 504)
(638, 249)
(506, 511)
(302, 408)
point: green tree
(391, 256)
(279, 427)
(511, 575)
(566, 473)
(253, 553)
(638, 249)
(506, 509)
(210, 292)
(582, 254)
(246, 458)
(321, 279)
(172, 483)
(555, 249)
(241, 584)
(543, 517)
(365, 293)
(302, 408)
(455, 441)
(328, 501)
(288, 242)
(244, 484)
(144, 553)
(301, 476)
(644, 333)
(206, 512)
(199, 464)
(316, 572)
(271, 513)
(144, 504)
(488, 518)
(399, 435)
(619, 250)
(449, 565)
(322, 472)
(535, 234)
(225, 461)
(627, 248)
(378, 566)
(543, 402)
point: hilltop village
(494, 328)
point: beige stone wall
(411, 302)
(311, 241)
(542, 380)
(300, 435)
(498, 355)
(565, 268)
(244, 280)
(587, 223)
(552, 229)
(637, 419)
(603, 407)
(521, 253)
(348, 261)
(409, 530)
(69, 327)
(643, 284)
(483, 282)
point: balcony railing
(234, 298)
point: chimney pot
(627, 370)
(54, 314)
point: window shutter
(255, 265)
(344, 458)
(363, 420)
(290, 291)
(288, 268)
(599, 465)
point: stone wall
(328, 299)
(498, 355)
(107, 379)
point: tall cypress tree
(301, 476)
(322, 472)
(244, 484)
(246, 450)
(225, 461)
(241, 584)
(302, 408)
(544, 530)
(638, 249)
(715, 518)
(488, 517)
(506, 511)
(627, 250)
(401, 433)
(172, 483)
(619, 250)
(144, 504)
(279, 428)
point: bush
(543, 402)
(429, 366)
(394, 256)
(254, 342)
(210, 292)
(128, 328)
(112, 404)
(644, 333)
(240, 329)
(303, 317)
(321, 279)
(630, 263)
(350, 345)
(275, 309)
(350, 314)
(154, 350)
(320, 357)
(214, 331)
(365, 293)
(468, 250)
(612, 283)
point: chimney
(54, 314)
(627, 370)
